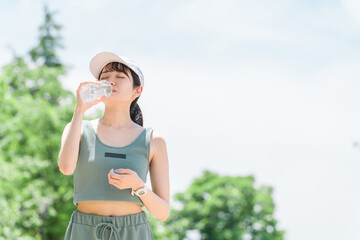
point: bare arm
(157, 201)
(70, 140)
(71, 135)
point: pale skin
(117, 129)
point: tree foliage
(221, 207)
(35, 198)
(49, 41)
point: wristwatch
(140, 192)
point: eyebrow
(113, 71)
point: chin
(113, 100)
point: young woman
(110, 158)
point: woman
(110, 158)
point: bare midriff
(109, 208)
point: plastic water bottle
(90, 92)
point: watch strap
(138, 190)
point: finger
(86, 82)
(114, 175)
(113, 180)
(114, 172)
(111, 183)
(123, 170)
(80, 86)
(115, 183)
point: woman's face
(122, 85)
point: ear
(138, 91)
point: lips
(113, 90)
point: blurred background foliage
(36, 199)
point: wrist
(79, 110)
(140, 192)
(140, 185)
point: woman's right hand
(83, 106)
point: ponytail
(135, 112)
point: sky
(260, 88)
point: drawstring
(102, 231)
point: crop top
(96, 159)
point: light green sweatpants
(83, 226)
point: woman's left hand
(127, 179)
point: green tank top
(96, 159)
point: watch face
(141, 192)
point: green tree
(49, 41)
(221, 207)
(35, 198)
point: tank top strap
(88, 129)
(85, 125)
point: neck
(117, 117)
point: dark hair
(135, 111)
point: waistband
(117, 221)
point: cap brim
(99, 61)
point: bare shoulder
(157, 140)
(81, 128)
(157, 144)
(66, 132)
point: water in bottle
(90, 92)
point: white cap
(99, 61)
